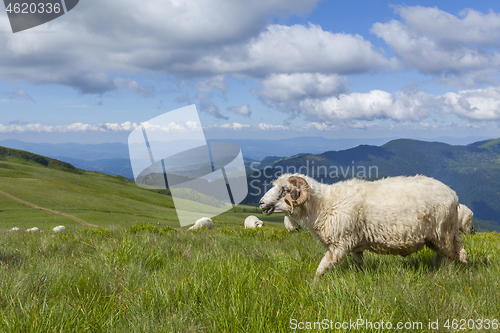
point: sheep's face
(259, 224)
(286, 192)
(273, 200)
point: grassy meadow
(150, 279)
(138, 271)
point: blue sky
(265, 69)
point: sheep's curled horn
(300, 184)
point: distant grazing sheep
(290, 225)
(204, 222)
(59, 228)
(252, 222)
(14, 229)
(465, 218)
(397, 215)
(34, 229)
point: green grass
(226, 280)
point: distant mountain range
(113, 158)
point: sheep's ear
(300, 189)
(295, 193)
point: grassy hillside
(95, 198)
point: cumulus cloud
(326, 98)
(299, 86)
(356, 105)
(243, 110)
(126, 36)
(283, 92)
(408, 104)
(480, 104)
(458, 50)
(469, 27)
(294, 49)
(375, 104)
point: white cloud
(270, 127)
(480, 104)
(470, 26)
(458, 51)
(375, 104)
(127, 36)
(283, 92)
(174, 127)
(233, 126)
(243, 110)
(354, 106)
(76, 127)
(293, 49)
(405, 105)
(319, 126)
(299, 86)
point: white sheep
(396, 215)
(290, 225)
(34, 229)
(14, 229)
(59, 228)
(252, 222)
(204, 222)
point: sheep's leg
(332, 257)
(438, 259)
(358, 258)
(459, 247)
